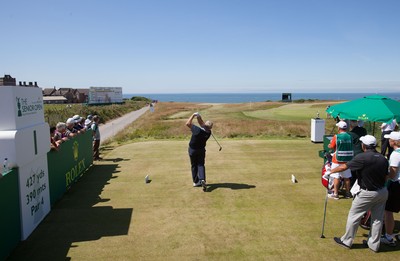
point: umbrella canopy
(374, 108)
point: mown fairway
(252, 210)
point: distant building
(286, 97)
(54, 99)
(82, 95)
(70, 95)
(52, 95)
(7, 80)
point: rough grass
(258, 120)
(55, 113)
(252, 210)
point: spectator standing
(328, 115)
(78, 119)
(88, 122)
(372, 169)
(61, 134)
(71, 131)
(53, 143)
(342, 144)
(387, 128)
(356, 132)
(96, 137)
(197, 149)
(393, 186)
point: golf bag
(327, 182)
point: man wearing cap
(386, 129)
(371, 167)
(96, 137)
(342, 145)
(197, 149)
(88, 124)
(70, 130)
(78, 120)
(393, 186)
(357, 131)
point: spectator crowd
(374, 179)
(74, 126)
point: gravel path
(111, 128)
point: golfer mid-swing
(197, 149)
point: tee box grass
(251, 210)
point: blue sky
(177, 46)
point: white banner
(34, 194)
(105, 95)
(24, 145)
(20, 107)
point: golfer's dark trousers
(385, 144)
(197, 160)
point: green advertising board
(10, 220)
(68, 164)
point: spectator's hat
(368, 140)
(90, 117)
(342, 125)
(77, 118)
(87, 122)
(394, 135)
(70, 120)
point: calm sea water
(252, 97)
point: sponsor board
(20, 107)
(34, 194)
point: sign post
(24, 140)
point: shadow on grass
(75, 218)
(116, 160)
(107, 148)
(383, 247)
(234, 186)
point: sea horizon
(254, 97)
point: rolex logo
(75, 150)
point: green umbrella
(374, 108)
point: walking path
(111, 128)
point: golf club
(220, 147)
(323, 223)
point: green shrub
(55, 113)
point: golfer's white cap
(394, 135)
(368, 140)
(342, 125)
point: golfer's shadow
(234, 186)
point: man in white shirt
(387, 128)
(393, 202)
